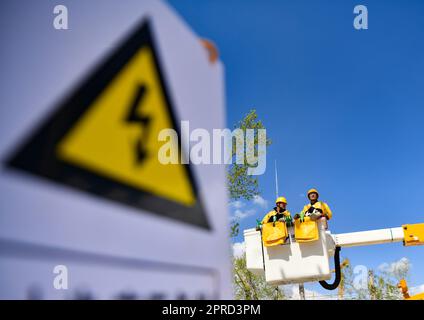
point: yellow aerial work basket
(274, 233)
(306, 231)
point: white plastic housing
(292, 262)
(254, 253)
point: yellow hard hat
(312, 191)
(281, 199)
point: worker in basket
(315, 209)
(274, 225)
(279, 213)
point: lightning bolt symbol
(144, 122)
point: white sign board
(80, 183)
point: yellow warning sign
(104, 139)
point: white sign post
(78, 220)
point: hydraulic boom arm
(410, 234)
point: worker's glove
(300, 216)
(311, 209)
(289, 221)
(258, 225)
(315, 215)
(319, 210)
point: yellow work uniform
(319, 205)
(269, 215)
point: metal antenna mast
(276, 180)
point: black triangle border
(37, 154)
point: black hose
(336, 282)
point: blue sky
(343, 107)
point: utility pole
(302, 291)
